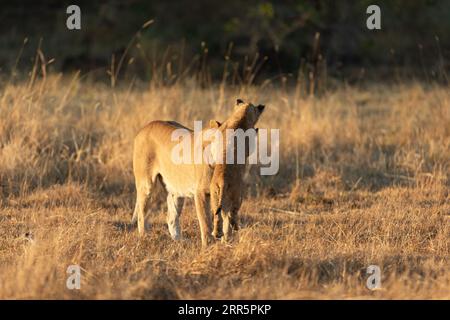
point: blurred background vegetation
(245, 41)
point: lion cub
(227, 184)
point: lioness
(152, 160)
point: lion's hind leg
(143, 189)
(174, 206)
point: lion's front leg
(230, 223)
(217, 231)
(204, 217)
(234, 220)
(227, 226)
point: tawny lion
(152, 161)
(227, 184)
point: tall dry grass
(364, 179)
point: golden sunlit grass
(364, 180)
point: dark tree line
(414, 34)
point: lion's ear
(260, 108)
(214, 124)
(239, 101)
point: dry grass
(364, 179)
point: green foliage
(282, 30)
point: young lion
(152, 160)
(227, 185)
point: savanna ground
(364, 180)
